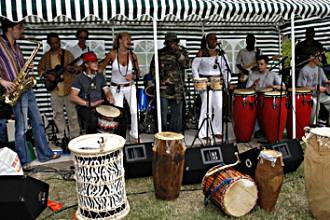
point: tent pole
(159, 118)
(293, 64)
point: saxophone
(22, 84)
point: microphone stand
(224, 90)
(136, 88)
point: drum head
(168, 136)
(88, 144)
(108, 111)
(275, 93)
(244, 92)
(300, 90)
(214, 79)
(271, 155)
(150, 91)
(240, 197)
(324, 132)
(202, 79)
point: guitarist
(246, 59)
(58, 59)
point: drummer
(87, 89)
(262, 78)
(206, 64)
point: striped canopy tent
(206, 11)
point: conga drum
(99, 174)
(304, 106)
(272, 105)
(269, 178)
(235, 193)
(316, 169)
(200, 84)
(167, 164)
(260, 100)
(244, 113)
(106, 118)
(215, 83)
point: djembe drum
(304, 106)
(106, 118)
(167, 164)
(99, 173)
(244, 113)
(201, 84)
(273, 103)
(316, 169)
(269, 178)
(234, 192)
(215, 83)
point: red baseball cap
(89, 57)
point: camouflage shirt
(171, 72)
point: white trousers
(129, 93)
(215, 107)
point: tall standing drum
(99, 174)
(260, 100)
(269, 178)
(304, 106)
(316, 168)
(244, 113)
(167, 164)
(273, 103)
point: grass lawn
(292, 202)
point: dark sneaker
(27, 167)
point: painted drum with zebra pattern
(99, 174)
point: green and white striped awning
(182, 10)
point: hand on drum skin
(129, 77)
(9, 86)
(96, 103)
(110, 99)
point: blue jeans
(27, 107)
(3, 131)
(176, 114)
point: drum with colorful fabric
(269, 178)
(273, 103)
(201, 84)
(316, 171)
(167, 164)
(231, 190)
(244, 113)
(106, 116)
(99, 174)
(215, 83)
(304, 106)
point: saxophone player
(11, 63)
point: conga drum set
(99, 174)
(106, 118)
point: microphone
(130, 49)
(219, 44)
(283, 59)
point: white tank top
(119, 71)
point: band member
(308, 77)
(11, 63)
(124, 68)
(262, 78)
(81, 47)
(246, 60)
(206, 64)
(308, 47)
(173, 60)
(87, 90)
(59, 60)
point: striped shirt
(11, 62)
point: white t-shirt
(77, 52)
(245, 57)
(267, 79)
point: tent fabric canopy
(185, 10)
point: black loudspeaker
(137, 160)
(249, 161)
(199, 160)
(22, 197)
(292, 153)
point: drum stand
(207, 120)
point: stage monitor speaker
(199, 160)
(292, 152)
(249, 160)
(137, 160)
(22, 197)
